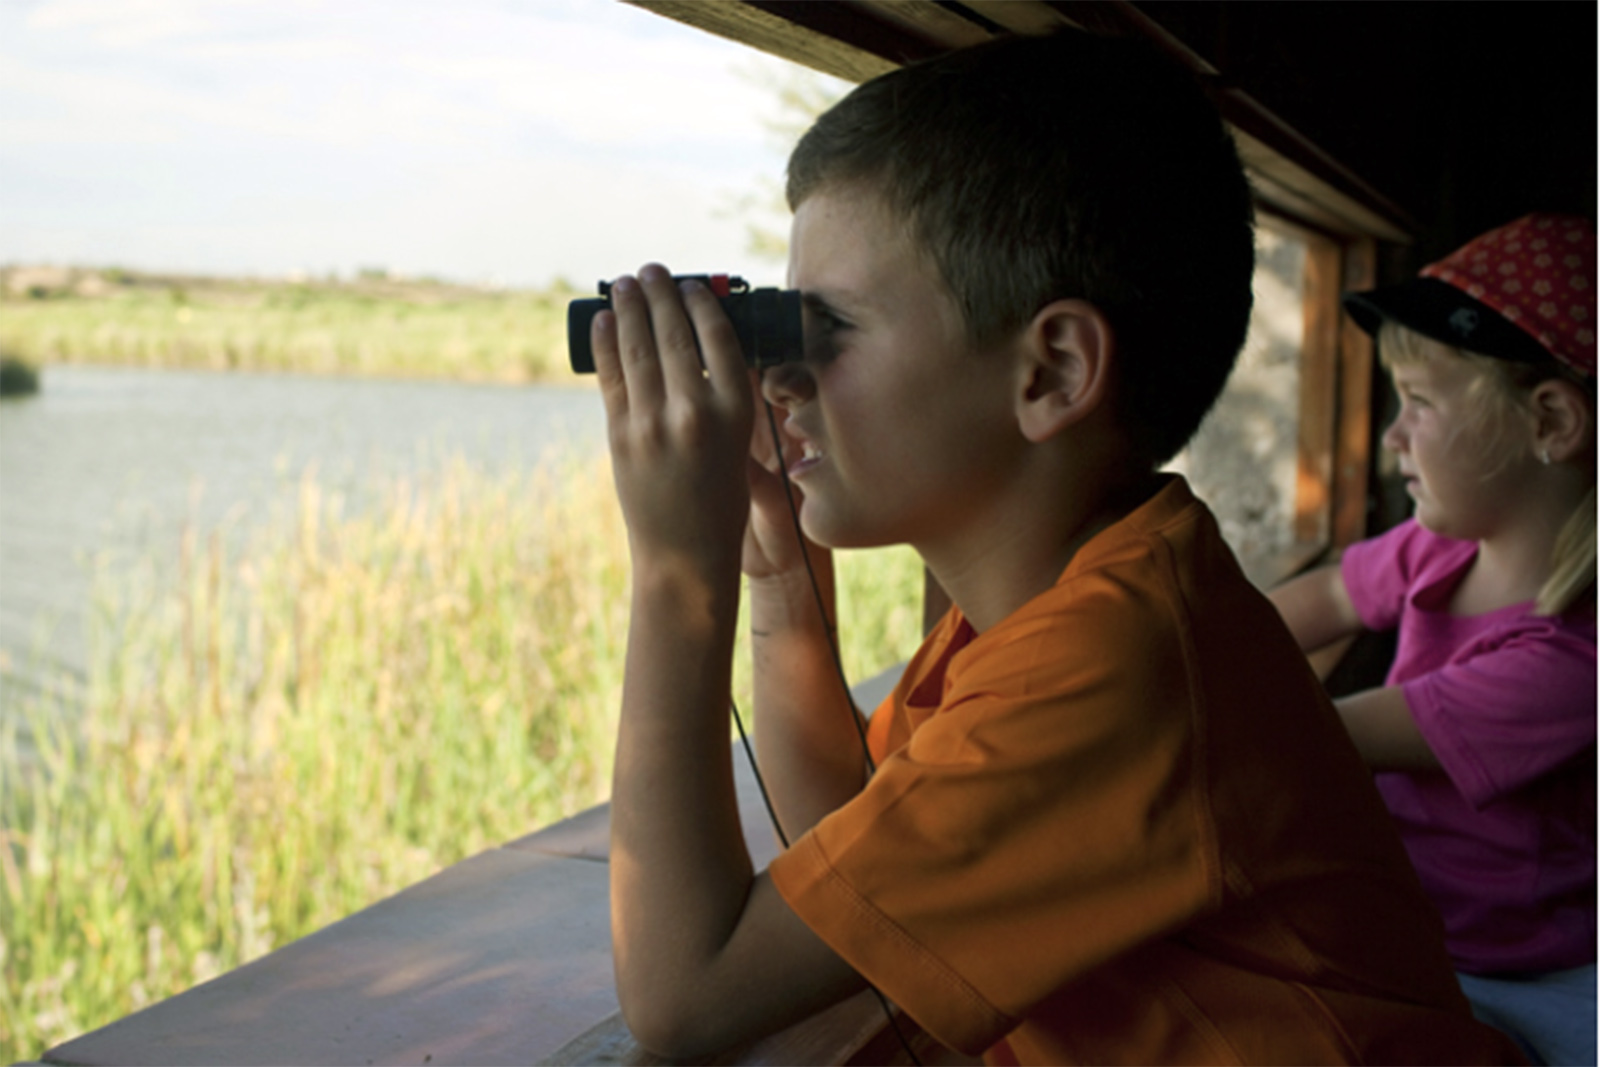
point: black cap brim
(1440, 311)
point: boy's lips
(811, 454)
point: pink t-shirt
(1504, 838)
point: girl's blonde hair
(1501, 390)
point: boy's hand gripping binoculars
(766, 321)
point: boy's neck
(1029, 546)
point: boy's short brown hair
(1067, 166)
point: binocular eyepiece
(766, 321)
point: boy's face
(905, 430)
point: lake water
(117, 462)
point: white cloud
(365, 71)
(121, 24)
(521, 139)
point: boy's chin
(833, 531)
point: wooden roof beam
(860, 39)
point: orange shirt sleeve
(1043, 817)
(878, 730)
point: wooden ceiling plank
(928, 19)
(1021, 16)
(779, 36)
(862, 39)
(1285, 184)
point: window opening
(1244, 459)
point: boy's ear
(1564, 425)
(1067, 354)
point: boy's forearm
(679, 868)
(806, 726)
(694, 932)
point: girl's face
(1465, 472)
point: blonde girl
(1483, 735)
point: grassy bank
(371, 326)
(274, 740)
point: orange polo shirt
(1125, 825)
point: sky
(507, 142)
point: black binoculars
(766, 321)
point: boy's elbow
(672, 1021)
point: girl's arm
(1317, 608)
(1385, 732)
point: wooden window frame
(1335, 406)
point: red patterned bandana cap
(1538, 273)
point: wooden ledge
(504, 958)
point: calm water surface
(117, 462)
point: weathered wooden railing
(502, 958)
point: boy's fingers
(761, 427)
(719, 345)
(674, 336)
(773, 447)
(767, 488)
(608, 365)
(636, 346)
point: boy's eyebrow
(825, 303)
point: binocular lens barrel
(766, 321)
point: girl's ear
(1564, 421)
(1068, 351)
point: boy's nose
(788, 385)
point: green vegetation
(272, 740)
(372, 325)
(17, 378)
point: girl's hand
(679, 430)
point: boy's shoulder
(1138, 603)
(1165, 558)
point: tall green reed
(274, 738)
(477, 336)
